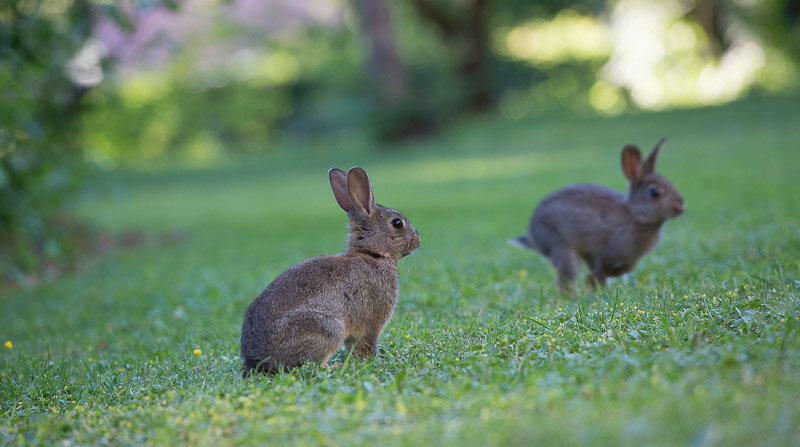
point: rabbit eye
(654, 192)
(397, 223)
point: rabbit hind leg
(567, 263)
(595, 280)
(309, 336)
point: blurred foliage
(776, 22)
(456, 68)
(309, 85)
(304, 86)
(39, 144)
(457, 57)
(48, 62)
(519, 58)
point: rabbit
(314, 307)
(607, 229)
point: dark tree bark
(398, 114)
(387, 71)
(707, 14)
(468, 33)
(475, 59)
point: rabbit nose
(679, 206)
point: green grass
(700, 345)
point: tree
(386, 70)
(467, 31)
(387, 74)
(39, 147)
(48, 62)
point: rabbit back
(580, 217)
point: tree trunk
(474, 61)
(707, 14)
(469, 31)
(386, 70)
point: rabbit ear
(650, 164)
(360, 190)
(632, 163)
(338, 180)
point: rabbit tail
(523, 241)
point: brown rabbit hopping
(607, 229)
(314, 307)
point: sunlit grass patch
(699, 344)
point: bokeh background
(161, 161)
(97, 86)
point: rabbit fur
(608, 230)
(314, 307)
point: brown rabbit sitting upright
(605, 228)
(309, 310)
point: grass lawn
(700, 345)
